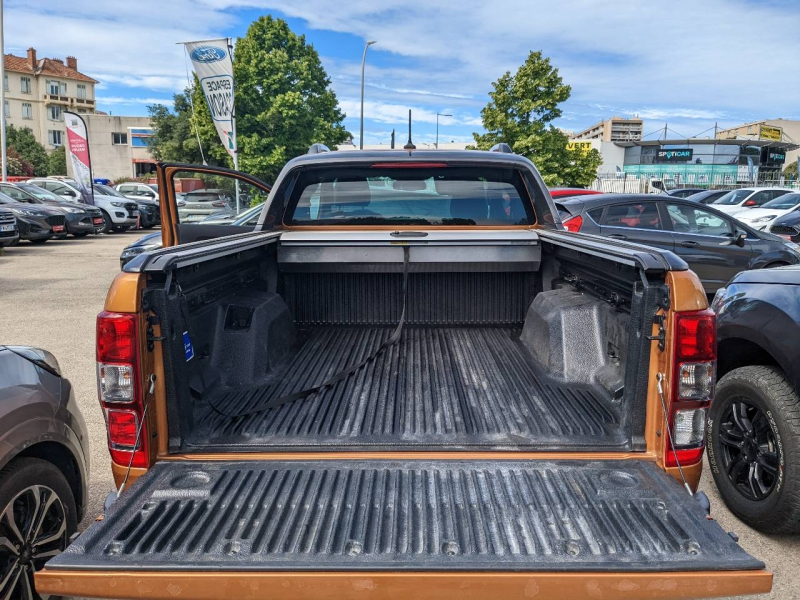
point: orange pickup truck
(407, 382)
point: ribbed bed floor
(438, 386)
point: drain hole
(353, 548)
(693, 548)
(114, 548)
(232, 548)
(450, 548)
(572, 548)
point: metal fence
(627, 183)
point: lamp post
(437, 126)
(363, 65)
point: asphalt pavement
(50, 295)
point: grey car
(715, 245)
(44, 466)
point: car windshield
(394, 194)
(106, 191)
(785, 202)
(19, 194)
(734, 197)
(41, 193)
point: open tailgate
(353, 528)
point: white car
(138, 191)
(762, 218)
(119, 214)
(744, 199)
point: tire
(762, 486)
(107, 223)
(21, 482)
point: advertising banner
(583, 145)
(675, 155)
(212, 64)
(78, 155)
(770, 133)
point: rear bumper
(417, 586)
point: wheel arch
(735, 352)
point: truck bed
(438, 387)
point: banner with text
(78, 153)
(212, 64)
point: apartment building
(615, 129)
(38, 90)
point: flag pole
(233, 131)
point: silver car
(197, 205)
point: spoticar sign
(674, 155)
(208, 54)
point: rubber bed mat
(452, 387)
(418, 515)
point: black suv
(715, 245)
(754, 423)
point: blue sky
(686, 63)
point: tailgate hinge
(661, 338)
(151, 337)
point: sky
(687, 64)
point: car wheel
(107, 223)
(754, 447)
(37, 519)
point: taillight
(573, 224)
(693, 385)
(118, 387)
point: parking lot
(51, 294)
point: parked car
(707, 196)
(9, 232)
(152, 241)
(715, 245)
(149, 212)
(571, 192)
(197, 205)
(754, 423)
(138, 191)
(743, 199)
(44, 466)
(36, 223)
(683, 192)
(118, 214)
(81, 219)
(762, 218)
(410, 466)
(787, 227)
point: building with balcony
(615, 129)
(38, 90)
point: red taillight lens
(118, 387)
(573, 224)
(693, 385)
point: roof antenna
(409, 145)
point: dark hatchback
(715, 245)
(9, 232)
(81, 219)
(788, 227)
(36, 223)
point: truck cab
(408, 381)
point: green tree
(791, 170)
(520, 113)
(23, 141)
(173, 136)
(57, 161)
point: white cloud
(127, 101)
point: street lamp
(363, 64)
(437, 126)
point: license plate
(97, 220)
(6, 228)
(58, 228)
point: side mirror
(739, 240)
(68, 193)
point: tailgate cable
(659, 380)
(344, 373)
(112, 497)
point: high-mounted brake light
(573, 224)
(118, 387)
(408, 165)
(693, 385)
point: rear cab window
(399, 195)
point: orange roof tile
(45, 66)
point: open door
(202, 203)
(379, 528)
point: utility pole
(3, 150)
(437, 126)
(363, 65)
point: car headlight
(137, 250)
(120, 204)
(74, 211)
(26, 212)
(763, 219)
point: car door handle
(690, 244)
(617, 236)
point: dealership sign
(78, 154)
(768, 132)
(212, 63)
(675, 155)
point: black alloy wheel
(749, 450)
